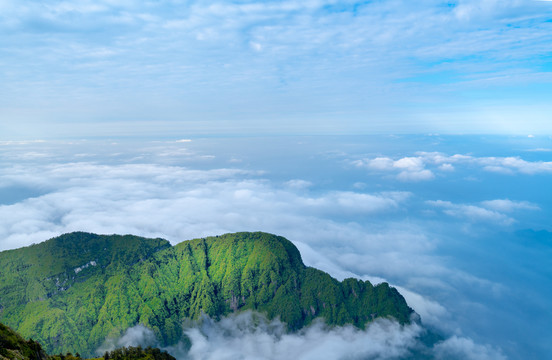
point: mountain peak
(74, 291)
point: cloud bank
(249, 335)
(183, 203)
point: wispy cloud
(471, 212)
(506, 205)
(492, 211)
(424, 165)
(407, 168)
(336, 60)
(465, 348)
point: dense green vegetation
(14, 347)
(137, 353)
(72, 292)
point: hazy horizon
(114, 68)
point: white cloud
(416, 168)
(431, 312)
(138, 335)
(472, 212)
(507, 165)
(498, 169)
(522, 166)
(408, 168)
(256, 46)
(506, 205)
(298, 184)
(353, 202)
(250, 336)
(446, 167)
(420, 175)
(409, 164)
(143, 199)
(459, 348)
(379, 163)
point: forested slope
(14, 347)
(71, 292)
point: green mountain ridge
(72, 292)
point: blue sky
(77, 68)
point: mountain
(72, 292)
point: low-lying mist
(250, 335)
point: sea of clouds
(387, 218)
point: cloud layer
(435, 239)
(250, 335)
(183, 203)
